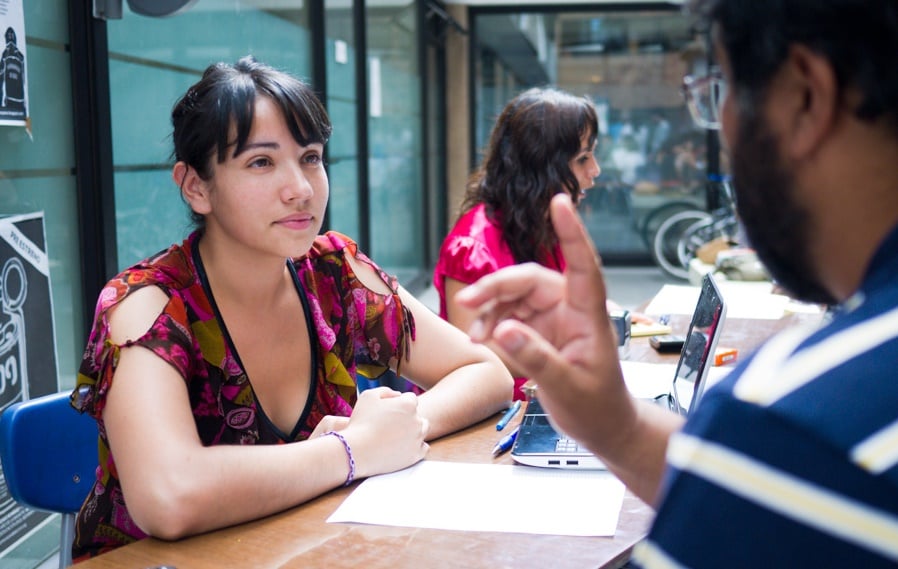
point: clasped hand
(385, 431)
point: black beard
(778, 229)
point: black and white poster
(13, 75)
(27, 343)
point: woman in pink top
(543, 143)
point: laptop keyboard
(565, 444)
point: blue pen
(509, 415)
(506, 442)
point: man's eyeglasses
(704, 97)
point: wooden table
(300, 537)
(744, 334)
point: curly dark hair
(527, 162)
(225, 97)
(858, 37)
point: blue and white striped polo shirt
(792, 461)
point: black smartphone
(667, 344)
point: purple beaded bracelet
(351, 476)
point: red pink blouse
(475, 248)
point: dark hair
(527, 162)
(858, 37)
(225, 98)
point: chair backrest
(48, 451)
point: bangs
(303, 113)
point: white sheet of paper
(488, 497)
(645, 380)
(744, 300)
(648, 380)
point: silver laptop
(539, 444)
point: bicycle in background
(680, 236)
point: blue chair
(49, 456)
(387, 379)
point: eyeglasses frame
(691, 88)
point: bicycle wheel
(654, 218)
(665, 244)
(703, 232)
(694, 236)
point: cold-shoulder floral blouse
(352, 329)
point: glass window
(436, 139)
(630, 63)
(36, 172)
(37, 175)
(341, 54)
(394, 135)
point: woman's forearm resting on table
(219, 486)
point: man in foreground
(792, 461)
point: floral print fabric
(352, 329)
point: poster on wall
(27, 344)
(13, 77)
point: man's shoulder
(810, 376)
(755, 483)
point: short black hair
(858, 37)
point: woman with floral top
(222, 370)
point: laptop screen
(539, 444)
(698, 349)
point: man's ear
(194, 189)
(811, 95)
